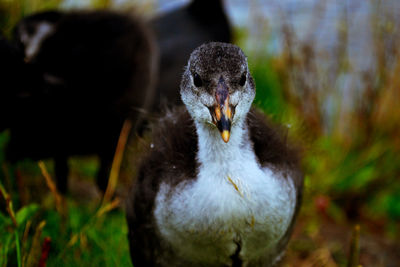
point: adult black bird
(221, 186)
(12, 68)
(178, 33)
(96, 68)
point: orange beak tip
(225, 136)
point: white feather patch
(33, 43)
(233, 199)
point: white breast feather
(232, 199)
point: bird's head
(217, 87)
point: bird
(11, 67)
(95, 69)
(32, 30)
(178, 33)
(16, 77)
(221, 184)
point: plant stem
(17, 244)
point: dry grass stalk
(116, 164)
(81, 236)
(50, 183)
(25, 241)
(354, 255)
(9, 205)
(36, 248)
(73, 240)
(107, 207)
(26, 231)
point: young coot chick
(220, 186)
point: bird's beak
(222, 112)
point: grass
(79, 234)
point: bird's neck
(212, 149)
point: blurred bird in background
(87, 71)
(93, 70)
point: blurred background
(329, 70)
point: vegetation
(351, 161)
(351, 151)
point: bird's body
(94, 70)
(12, 68)
(100, 60)
(203, 200)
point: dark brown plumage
(94, 70)
(12, 68)
(174, 143)
(203, 200)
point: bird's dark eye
(242, 80)
(197, 80)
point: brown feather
(172, 159)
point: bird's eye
(197, 80)
(242, 81)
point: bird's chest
(238, 204)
